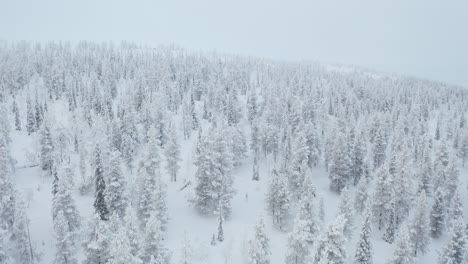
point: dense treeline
(393, 147)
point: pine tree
(278, 198)
(403, 253)
(65, 253)
(100, 205)
(307, 211)
(383, 195)
(96, 242)
(220, 236)
(133, 234)
(298, 248)
(153, 241)
(299, 160)
(361, 196)
(419, 227)
(214, 179)
(64, 202)
(31, 121)
(345, 208)
(255, 174)
(364, 252)
(390, 224)
(152, 197)
(455, 247)
(252, 105)
(259, 251)
(172, 154)
(115, 195)
(339, 165)
(21, 237)
(437, 214)
(47, 148)
(379, 147)
(331, 247)
(238, 145)
(7, 191)
(120, 250)
(312, 141)
(358, 154)
(17, 116)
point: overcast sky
(424, 38)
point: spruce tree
(363, 254)
(120, 250)
(115, 194)
(437, 214)
(47, 148)
(278, 198)
(96, 242)
(172, 152)
(259, 250)
(298, 248)
(345, 208)
(403, 253)
(65, 253)
(339, 165)
(331, 246)
(100, 205)
(455, 247)
(153, 241)
(419, 227)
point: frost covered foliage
(143, 143)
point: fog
(427, 39)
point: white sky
(424, 38)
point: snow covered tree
(153, 241)
(129, 137)
(252, 105)
(278, 198)
(379, 147)
(100, 205)
(259, 250)
(214, 179)
(339, 165)
(5, 258)
(345, 208)
(361, 196)
(65, 253)
(437, 214)
(115, 194)
(419, 227)
(120, 250)
(47, 148)
(313, 142)
(255, 173)
(172, 154)
(20, 234)
(455, 246)
(96, 242)
(383, 195)
(133, 234)
(220, 236)
(298, 248)
(358, 163)
(363, 254)
(299, 160)
(238, 145)
(390, 223)
(403, 253)
(7, 191)
(17, 116)
(331, 246)
(30, 119)
(64, 202)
